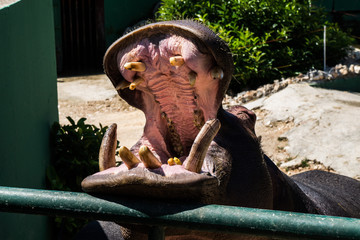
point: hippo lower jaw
(176, 73)
(148, 177)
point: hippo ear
(246, 117)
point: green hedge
(75, 156)
(269, 39)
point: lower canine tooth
(217, 73)
(148, 158)
(107, 149)
(201, 144)
(135, 66)
(176, 61)
(135, 83)
(128, 157)
(192, 78)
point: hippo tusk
(177, 161)
(128, 157)
(108, 148)
(201, 144)
(176, 61)
(135, 66)
(122, 85)
(171, 162)
(136, 83)
(148, 158)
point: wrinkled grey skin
(244, 175)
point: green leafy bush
(269, 39)
(74, 157)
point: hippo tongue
(193, 162)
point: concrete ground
(325, 126)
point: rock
(357, 69)
(326, 125)
(268, 123)
(352, 68)
(318, 77)
(334, 72)
(283, 84)
(268, 88)
(248, 96)
(338, 66)
(306, 78)
(344, 70)
(259, 92)
(276, 87)
(291, 164)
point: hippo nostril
(192, 78)
(177, 61)
(135, 66)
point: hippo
(192, 150)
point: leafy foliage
(75, 156)
(269, 39)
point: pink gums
(167, 88)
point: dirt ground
(94, 98)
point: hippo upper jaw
(179, 80)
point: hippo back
(332, 194)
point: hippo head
(177, 73)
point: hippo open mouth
(177, 73)
(192, 149)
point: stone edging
(339, 71)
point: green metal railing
(159, 215)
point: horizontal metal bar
(157, 213)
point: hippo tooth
(171, 161)
(177, 161)
(108, 148)
(217, 73)
(201, 144)
(128, 157)
(122, 85)
(135, 66)
(192, 78)
(148, 158)
(135, 83)
(177, 61)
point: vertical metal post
(324, 47)
(156, 233)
